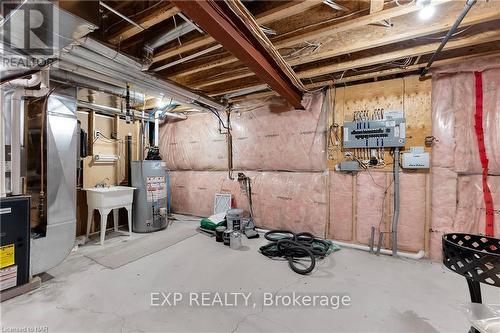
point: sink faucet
(102, 183)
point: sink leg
(129, 213)
(104, 218)
(115, 217)
(90, 214)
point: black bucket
(219, 232)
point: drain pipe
(419, 255)
(453, 29)
(395, 216)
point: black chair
(475, 257)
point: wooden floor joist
(366, 76)
(328, 30)
(150, 20)
(403, 33)
(284, 11)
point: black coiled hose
(296, 248)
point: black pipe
(128, 139)
(468, 6)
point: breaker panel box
(381, 133)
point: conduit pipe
(113, 111)
(395, 216)
(79, 80)
(101, 54)
(419, 255)
(454, 27)
(98, 63)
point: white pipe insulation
(419, 255)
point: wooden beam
(355, 43)
(276, 14)
(366, 76)
(329, 30)
(484, 37)
(361, 77)
(403, 32)
(376, 6)
(286, 10)
(220, 21)
(164, 13)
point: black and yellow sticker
(7, 255)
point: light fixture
(427, 10)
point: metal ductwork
(101, 59)
(59, 207)
(87, 82)
(61, 29)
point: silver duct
(97, 57)
(82, 81)
(61, 143)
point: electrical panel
(380, 130)
(375, 133)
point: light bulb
(426, 12)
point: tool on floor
(248, 225)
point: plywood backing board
(409, 94)
(94, 173)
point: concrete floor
(387, 294)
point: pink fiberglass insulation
(193, 144)
(443, 207)
(411, 226)
(491, 114)
(457, 198)
(443, 121)
(470, 215)
(370, 203)
(281, 200)
(267, 135)
(373, 204)
(453, 111)
(271, 135)
(340, 206)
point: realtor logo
(30, 28)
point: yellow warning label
(6, 255)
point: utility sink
(107, 199)
(110, 197)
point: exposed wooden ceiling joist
(484, 37)
(282, 12)
(218, 19)
(384, 37)
(157, 16)
(328, 30)
(361, 77)
(376, 6)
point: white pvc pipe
(419, 255)
(16, 105)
